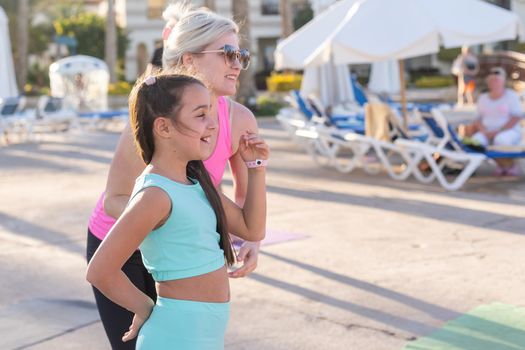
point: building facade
(144, 25)
(143, 22)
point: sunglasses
(231, 55)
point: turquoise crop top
(187, 244)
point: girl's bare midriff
(212, 287)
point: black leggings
(116, 320)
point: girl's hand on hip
(134, 329)
(252, 147)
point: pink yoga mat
(275, 237)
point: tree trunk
(110, 52)
(246, 89)
(210, 4)
(285, 8)
(22, 42)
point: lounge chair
(100, 119)
(346, 149)
(324, 137)
(51, 115)
(12, 121)
(447, 149)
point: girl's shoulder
(151, 201)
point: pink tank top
(100, 223)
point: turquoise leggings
(184, 325)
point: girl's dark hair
(161, 95)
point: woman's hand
(252, 147)
(134, 329)
(248, 254)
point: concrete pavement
(377, 263)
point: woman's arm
(240, 178)
(144, 213)
(249, 222)
(508, 125)
(249, 251)
(511, 123)
(243, 121)
(125, 167)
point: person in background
(498, 124)
(466, 68)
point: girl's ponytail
(196, 170)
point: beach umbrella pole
(402, 90)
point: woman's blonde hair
(194, 30)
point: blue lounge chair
(452, 151)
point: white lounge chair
(12, 121)
(51, 115)
(447, 149)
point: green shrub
(416, 74)
(284, 82)
(268, 105)
(88, 29)
(38, 75)
(33, 90)
(119, 88)
(363, 80)
(434, 81)
(448, 55)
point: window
(270, 7)
(155, 8)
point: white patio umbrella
(384, 77)
(330, 83)
(293, 52)
(7, 70)
(366, 31)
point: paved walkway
(370, 263)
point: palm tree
(246, 90)
(22, 42)
(110, 52)
(285, 8)
(210, 4)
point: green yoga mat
(494, 326)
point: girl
(194, 33)
(179, 220)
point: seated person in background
(498, 124)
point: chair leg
(322, 152)
(471, 165)
(417, 173)
(380, 147)
(358, 148)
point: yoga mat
(275, 237)
(493, 326)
